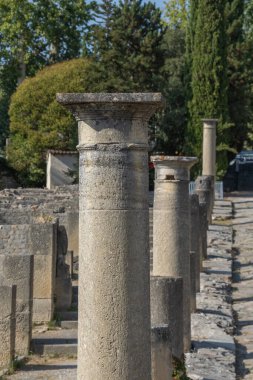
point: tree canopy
(38, 122)
(199, 56)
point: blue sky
(159, 3)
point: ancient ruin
(142, 280)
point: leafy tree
(209, 75)
(176, 13)
(38, 122)
(34, 34)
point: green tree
(176, 13)
(171, 124)
(248, 30)
(127, 46)
(239, 80)
(209, 75)
(38, 122)
(34, 34)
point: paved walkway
(213, 348)
(243, 285)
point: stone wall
(39, 240)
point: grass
(179, 372)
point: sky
(159, 3)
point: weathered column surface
(209, 147)
(161, 353)
(114, 305)
(166, 295)
(195, 236)
(205, 190)
(171, 229)
(7, 325)
(203, 229)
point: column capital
(173, 167)
(112, 118)
(210, 123)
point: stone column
(203, 229)
(166, 295)
(209, 155)
(195, 236)
(114, 298)
(7, 325)
(160, 353)
(205, 190)
(171, 231)
(209, 147)
(193, 281)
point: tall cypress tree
(238, 65)
(208, 71)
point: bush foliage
(38, 122)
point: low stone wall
(18, 270)
(39, 240)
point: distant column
(209, 155)
(114, 269)
(209, 147)
(195, 228)
(171, 231)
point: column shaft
(114, 297)
(171, 229)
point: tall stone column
(209, 147)
(195, 228)
(114, 299)
(171, 230)
(209, 154)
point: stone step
(67, 315)
(55, 342)
(72, 325)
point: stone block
(72, 228)
(161, 357)
(166, 295)
(7, 325)
(43, 309)
(43, 238)
(23, 333)
(18, 270)
(44, 276)
(63, 290)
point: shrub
(38, 122)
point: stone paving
(213, 347)
(243, 284)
